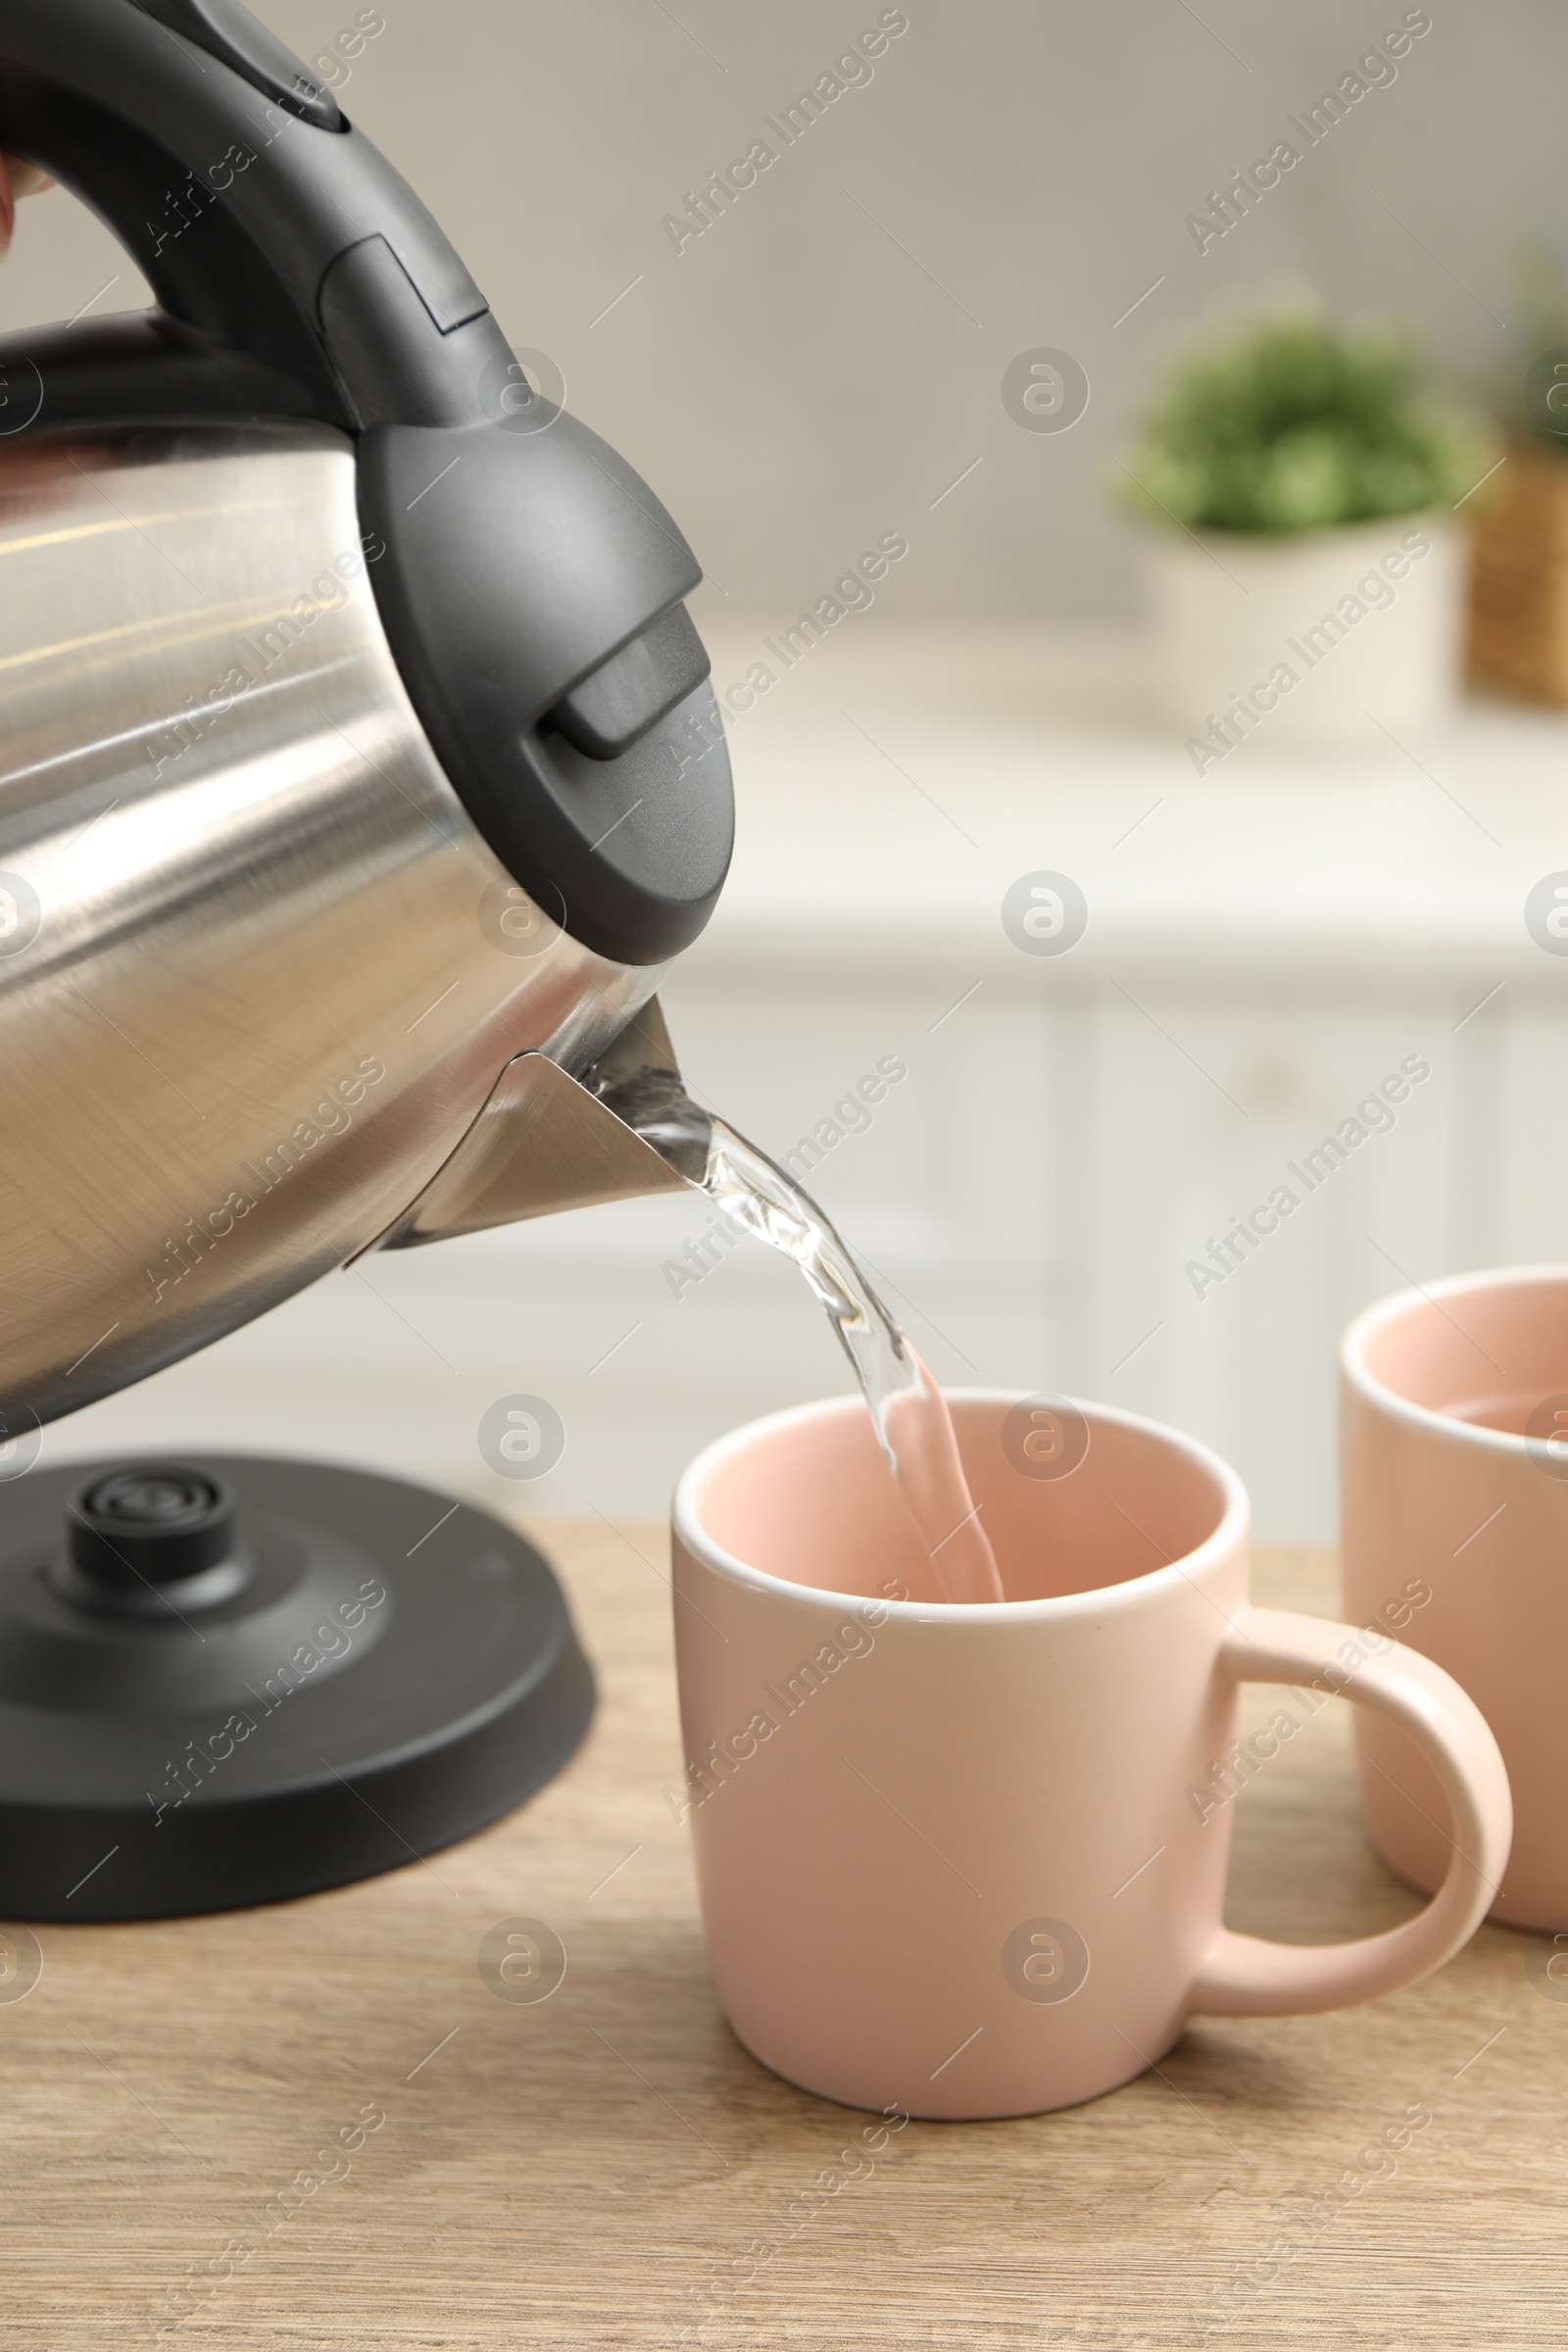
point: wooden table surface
(607, 2167)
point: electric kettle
(360, 773)
(359, 780)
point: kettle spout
(546, 1141)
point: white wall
(802, 379)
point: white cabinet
(1243, 1347)
(1263, 950)
(1044, 1198)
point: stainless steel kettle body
(258, 971)
(344, 821)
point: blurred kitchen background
(937, 320)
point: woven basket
(1519, 579)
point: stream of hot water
(909, 1410)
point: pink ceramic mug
(970, 1859)
(1454, 1495)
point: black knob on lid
(157, 1524)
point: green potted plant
(1306, 563)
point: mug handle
(1249, 1975)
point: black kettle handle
(266, 223)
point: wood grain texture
(607, 2167)
(1519, 577)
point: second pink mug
(970, 1859)
(1453, 1493)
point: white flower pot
(1340, 636)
